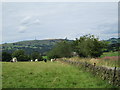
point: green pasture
(110, 54)
(48, 75)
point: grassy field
(109, 54)
(110, 59)
(48, 75)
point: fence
(112, 75)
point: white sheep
(52, 60)
(31, 60)
(36, 60)
(14, 59)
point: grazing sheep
(14, 59)
(52, 60)
(31, 60)
(36, 60)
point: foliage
(36, 55)
(113, 44)
(62, 49)
(20, 55)
(41, 46)
(113, 47)
(110, 59)
(88, 46)
(110, 54)
(6, 56)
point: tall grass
(109, 54)
(110, 59)
(48, 75)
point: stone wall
(112, 75)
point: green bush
(6, 56)
(88, 46)
(61, 49)
(20, 55)
(36, 55)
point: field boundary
(112, 75)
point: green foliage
(6, 56)
(41, 46)
(113, 45)
(62, 49)
(36, 55)
(20, 55)
(88, 46)
(110, 54)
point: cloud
(30, 20)
(22, 29)
(27, 22)
(59, 19)
(36, 21)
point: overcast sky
(49, 20)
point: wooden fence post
(114, 75)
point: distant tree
(20, 55)
(61, 49)
(36, 55)
(88, 46)
(6, 56)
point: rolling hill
(41, 46)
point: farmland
(48, 75)
(110, 59)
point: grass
(48, 75)
(45, 57)
(109, 54)
(110, 59)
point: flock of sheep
(36, 60)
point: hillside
(30, 46)
(113, 40)
(41, 46)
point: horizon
(46, 39)
(24, 20)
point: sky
(53, 20)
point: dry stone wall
(112, 75)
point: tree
(88, 46)
(61, 49)
(6, 56)
(20, 55)
(36, 55)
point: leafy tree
(20, 55)
(6, 56)
(88, 46)
(61, 49)
(36, 55)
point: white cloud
(29, 21)
(25, 19)
(22, 29)
(36, 21)
(58, 19)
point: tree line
(85, 46)
(21, 56)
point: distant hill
(30, 46)
(41, 46)
(113, 40)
